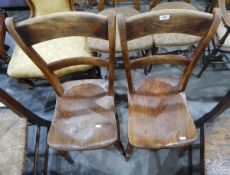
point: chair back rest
(65, 24)
(101, 4)
(182, 21)
(44, 7)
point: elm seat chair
(21, 66)
(158, 112)
(221, 40)
(84, 116)
(101, 46)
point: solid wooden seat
(217, 141)
(99, 45)
(163, 117)
(158, 111)
(84, 117)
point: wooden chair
(158, 112)
(13, 125)
(21, 66)
(84, 116)
(221, 40)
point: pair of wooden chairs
(85, 113)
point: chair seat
(220, 33)
(21, 66)
(12, 142)
(163, 113)
(174, 5)
(84, 117)
(100, 45)
(217, 141)
(173, 39)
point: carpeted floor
(202, 94)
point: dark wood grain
(159, 59)
(153, 3)
(68, 23)
(189, 23)
(77, 61)
(159, 121)
(158, 112)
(84, 117)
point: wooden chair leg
(66, 156)
(36, 150)
(129, 150)
(202, 149)
(190, 161)
(204, 66)
(120, 147)
(45, 165)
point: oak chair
(101, 4)
(221, 40)
(85, 115)
(14, 120)
(158, 112)
(21, 66)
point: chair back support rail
(175, 21)
(39, 29)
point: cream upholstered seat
(21, 66)
(100, 45)
(174, 39)
(12, 142)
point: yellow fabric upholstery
(21, 66)
(220, 33)
(42, 7)
(12, 142)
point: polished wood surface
(158, 120)
(158, 111)
(84, 116)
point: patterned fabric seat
(12, 142)
(173, 39)
(217, 141)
